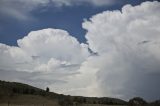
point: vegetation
(47, 89)
(137, 101)
(18, 92)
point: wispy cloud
(21, 9)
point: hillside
(18, 93)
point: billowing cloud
(14, 58)
(128, 42)
(47, 48)
(124, 59)
(54, 43)
(48, 57)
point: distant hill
(18, 93)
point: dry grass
(28, 100)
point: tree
(84, 100)
(47, 89)
(94, 102)
(137, 101)
(15, 90)
(32, 91)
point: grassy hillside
(18, 93)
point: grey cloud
(143, 42)
(35, 78)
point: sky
(103, 48)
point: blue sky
(69, 18)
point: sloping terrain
(18, 93)
(14, 94)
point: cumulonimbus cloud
(125, 61)
(127, 43)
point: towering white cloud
(128, 42)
